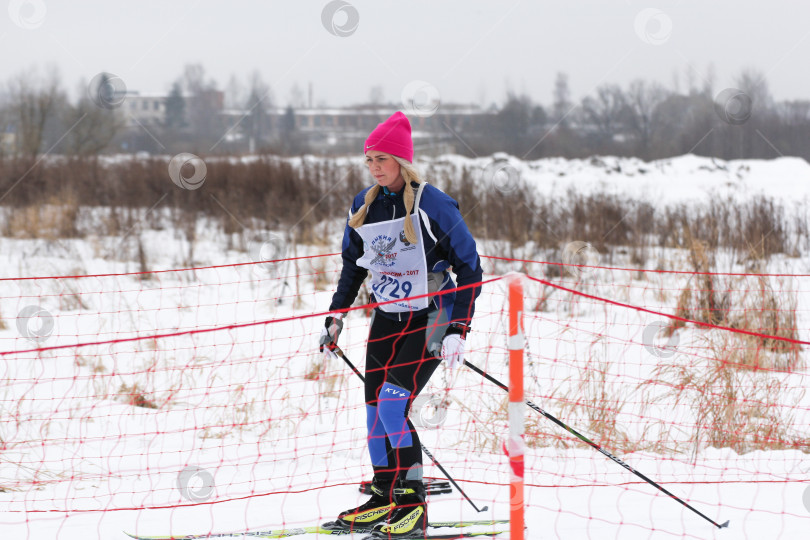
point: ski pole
(595, 446)
(337, 350)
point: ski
(321, 530)
(429, 536)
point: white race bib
(398, 268)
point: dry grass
(84, 361)
(600, 401)
(143, 263)
(591, 406)
(482, 428)
(134, 395)
(54, 220)
(70, 298)
(545, 294)
(276, 194)
(737, 399)
(759, 309)
(731, 397)
(329, 381)
(323, 272)
(736, 409)
(773, 316)
(701, 299)
(730, 400)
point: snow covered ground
(686, 178)
(197, 402)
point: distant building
(342, 130)
(321, 130)
(148, 110)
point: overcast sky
(468, 50)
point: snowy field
(194, 401)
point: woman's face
(385, 169)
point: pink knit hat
(392, 137)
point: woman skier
(407, 234)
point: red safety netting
(195, 401)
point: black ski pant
(398, 366)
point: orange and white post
(517, 408)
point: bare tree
(794, 113)
(709, 80)
(257, 119)
(203, 106)
(753, 83)
(516, 127)
(691, 77)
(194, 78)
(6, 126)
(92, 127)
(562, 105)
(32, 104)
(685, 124)
(746, 139)
(642, 116)
(605, 114)
(794, 127)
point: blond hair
(409, 174)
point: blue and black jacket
(453, 247)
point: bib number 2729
(395, 288)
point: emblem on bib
(382, 246)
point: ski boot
(409, 518)
(368, 514)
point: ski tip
(724, 525)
